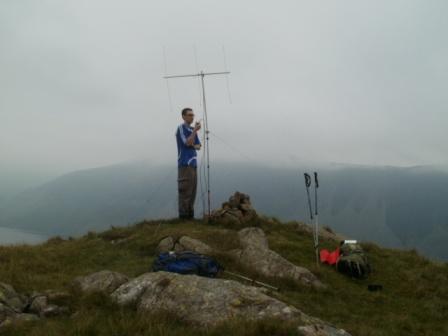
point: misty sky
(331, 81)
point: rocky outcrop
(15, 307)
(11, 299)
(321, 330)
(6, 313)
(201, 300)
(43, 304)
(255, 254)
(325, 232)
(208, 302)
(237, 210)
(103, 281)
(17, 317)
(166, 244)
(253, 237)
(184, 243)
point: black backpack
(353, 261)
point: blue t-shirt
(186, 155)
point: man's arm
(192, 138)
(197, 143)
(181, 134)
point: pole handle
(307, 180)
(307, 185)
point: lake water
(10, 236)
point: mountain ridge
(396, 207)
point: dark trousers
(187, 184)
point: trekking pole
(316, 215)
(252, 280)
(308, 185)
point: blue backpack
(187, 263)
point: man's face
(188, 117)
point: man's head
(188, 115)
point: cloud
(357, 82)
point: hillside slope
(394, 207)
(414, 299)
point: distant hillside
(396, 207)
(14, 180)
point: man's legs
(182, 186)
(187, 184)
(194, 184)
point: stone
(235, 200)
(38, 304)
(235, 213)
(103, 281)
(325, 232)
(10, 298)
(186, 243)
(237, 210)
(253, 236)
(43, 304)
(256, 254)
(199, 299)
(270, 263)
(226, 206)
(12, 306)
(207, 302)
(17, 318)
(321, 330)
(5, 312)
(230, 217)
(165, 245)
(26, 317)
(56, 295)
(54, 310)
(246, 207)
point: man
(187, 144)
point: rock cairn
(237, 210)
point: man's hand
(197, 147)
(190, 139)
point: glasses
(190, 115)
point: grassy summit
(414, 300)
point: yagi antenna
(202, 75)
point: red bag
(330, 258)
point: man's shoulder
(184, 127)
(179, 127)
(183, 130)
